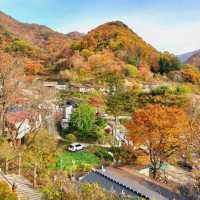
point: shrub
(132, 59)
(19, 46)
(160, 90)
(103, 154)
(7, 34)
(93, 191)
(182, 89)
(76, 46)
(6, 193)
(124, 154)
(191, 75)
(101, 122)
(86, 53)
(173, 90)
(130, 71)
(71, 138)
(51, 67)
(167, 100)
(169, 62)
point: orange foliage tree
(33, 67)
(96, 101)
(160, 130)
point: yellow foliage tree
(160, 130)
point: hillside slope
(112, 45)
(36, 44)
(123, 42)
(39, 35)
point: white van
(75, 147)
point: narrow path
(24, 188)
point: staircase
(24, 188)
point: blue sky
(172, 25)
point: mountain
(194, 60)
(112, 44)
(184, 57)
(35, 43)
(125, 44)
(75, 35)
(35, 34)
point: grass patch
(74, 161)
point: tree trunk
(2, 123)
(115, 130)
(154, 172)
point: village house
(50, 84)
(20, 123)
(128, 183)
(83, 88)
(58, 85)
(67, 110)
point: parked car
(75, 147)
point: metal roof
(117, 180)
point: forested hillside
(111, 46)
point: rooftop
(120, 181)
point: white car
(75, 147)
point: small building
(125, 183)
(68, 109)
(58, 85)
(50, 84)
(20, 123)
(82, 88)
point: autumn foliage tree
(11, 78)
(33, 67)
(169, 62)
(6, 193)
(192, 150)
(161, 130)
(96, 102)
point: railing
(14, 166)
(5, 179)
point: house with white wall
(68, 109)
(20, 123)
(55, 84)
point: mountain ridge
(185, 56)
(194, 60)
(109, 45)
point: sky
(168, 25)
